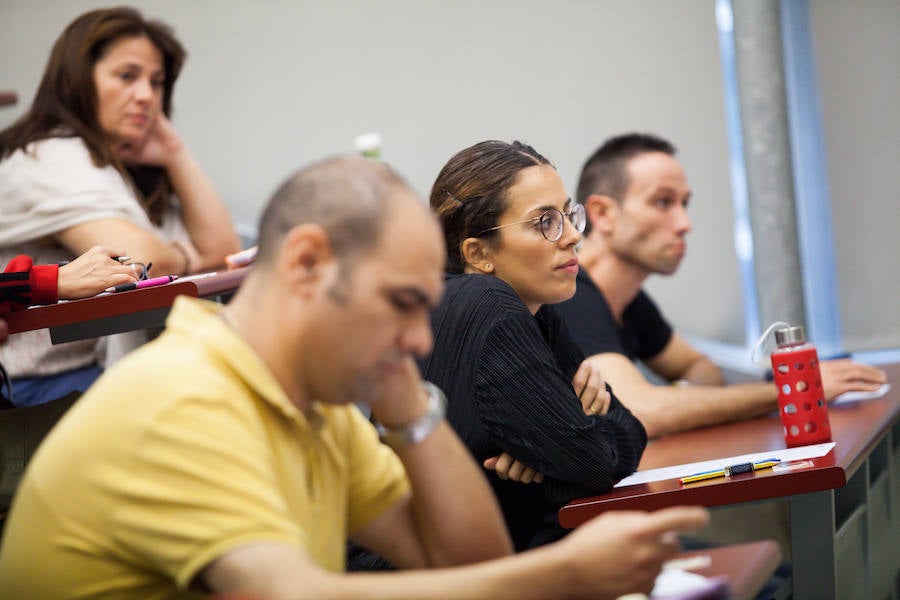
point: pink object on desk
(139, 285)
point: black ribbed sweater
(507, 375)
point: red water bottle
(801, 398)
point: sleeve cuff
(44, 280)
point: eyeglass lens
(552, 222)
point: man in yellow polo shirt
(227, 457)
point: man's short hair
(347, 196)
(606, 172)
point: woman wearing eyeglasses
(96, 161)
(514, 379)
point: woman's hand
(591, 388)
(508, 467)
(158, 148)
(91, 273)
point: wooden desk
(114, 313)
(746, 566)
(845, 512)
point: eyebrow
(127, 63)
(414, 294)
(542, 209)
(670, 190)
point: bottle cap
(368, 144)
(790, 336)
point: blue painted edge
(738, 358)
(810, 169)
(743, 234)
(730, 356)
(877, 357)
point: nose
(570, 236)
(143, 90)
(417, 337)
(682, 221)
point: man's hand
(91, 273)
(622, 552)
(844, 375)
(400, 398)
(591, 388)
(157, 148)
(508, 467)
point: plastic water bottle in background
(801, 398)
(369, 145)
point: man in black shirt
(635, 194)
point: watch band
(421, 428)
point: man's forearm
(273, 573)
(667, 409)
(541, 573)
(703, 372)
(457, 517)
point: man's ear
(477, 255)
(306, 254)
(601, 212)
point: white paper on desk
(197, 276)
(674, 472)
(855, 396)
(677, 581)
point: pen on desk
(731, 470)
(142, 284)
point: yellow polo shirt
(186, 449)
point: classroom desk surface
(856, 427)
(124, 311)
(866, 453)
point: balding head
(350, 263)
(349, 197)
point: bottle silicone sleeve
(801, 399)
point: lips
(570, 266)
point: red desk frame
(115, 313)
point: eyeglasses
(141, 270)
(551, 221)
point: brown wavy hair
(66, 100)
(470, 192)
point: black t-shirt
(644, 332)
(507, 375)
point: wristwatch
(421, 428)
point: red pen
(142, 284)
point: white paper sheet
(856, 396)
(677, 471)
(197, 276)
(676, 581)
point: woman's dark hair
(66, 100)
(470, 192)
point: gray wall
(857, 47)
(270, 85)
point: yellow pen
(731, 470)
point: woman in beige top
(96, 161)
